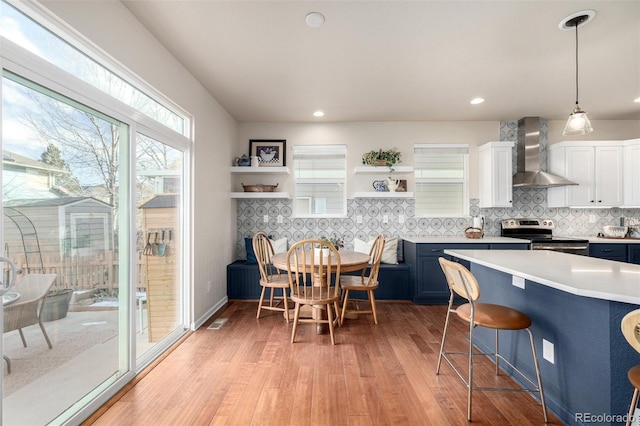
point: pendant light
(578, 122)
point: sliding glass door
(159, 195)
(61, 176)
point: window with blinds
(441, 179)
(320, 173)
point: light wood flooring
(248, 373)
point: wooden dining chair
(368, 283)
(630, 325)
(463, 283)
(270, 277)
(313, 267)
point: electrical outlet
(359, 219)
(265, 218)
(279, 218)
(517, 281)
(385, 218)
(209, 286)
(547, 351)
(592, 218)
(401, 218)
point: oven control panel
(528, 224)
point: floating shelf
(382, 169)
(280, 170)
(380, 194)
(254, 195)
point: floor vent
(217, 323)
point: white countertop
(603, 240)
(579, 275)
(463, 239)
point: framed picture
(271, 152)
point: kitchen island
(576, 304)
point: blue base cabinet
(634, 253)
(616, 252)
(427, 278)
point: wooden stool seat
(494, 316)
(634, 376)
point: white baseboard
(215, 308)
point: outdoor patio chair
(27, 309)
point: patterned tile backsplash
(527, 202)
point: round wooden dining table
(350, 261)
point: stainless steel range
(540, 233)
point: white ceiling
(404, 60)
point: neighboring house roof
(52, 202)
(19, 160)
(162, 201)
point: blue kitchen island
(576, 304)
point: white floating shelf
(380, 194)
(382, 169)
(254, 195)
(240, 169)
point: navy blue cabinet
(634, 253)
(608, 251)
(429, 284)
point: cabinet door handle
(607, 250)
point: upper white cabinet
(597, 169)
(631, 149)
(495, 171)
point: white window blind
(320, 176)
(441, 179)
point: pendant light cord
(577, 23)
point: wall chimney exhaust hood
(528, 164)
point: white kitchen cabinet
(631, 150)
(595, 166)
(495, 172)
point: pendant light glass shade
(578, 123)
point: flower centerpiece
(334, 240)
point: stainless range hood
(528, 170)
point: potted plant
(334, 240)
(387, 158)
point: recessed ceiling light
(318, 114)
(637, 100)
(314, 19)
(476, 101)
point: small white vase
(255, 161)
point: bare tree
(89, 144)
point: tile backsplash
(527, 202)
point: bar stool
(630, 325)
(462, 282)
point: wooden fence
(84, 272)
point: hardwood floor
(248, 373)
